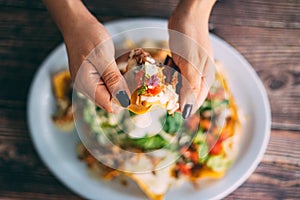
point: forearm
(198, 7)
(68, 13)
(195, 9)
(191, 18)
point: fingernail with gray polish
(187, 110)
(123, 98)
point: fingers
(207, 79)
(89, 83)
(195, 83)
(102, 58)
(191, 88)
(203, 91)
(116, 84)
(196, 67)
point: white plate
(57, 149)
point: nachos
(199, 148)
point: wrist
(199, 9)
(69, 14)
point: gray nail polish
(123, 98)
(187, 110)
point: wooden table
(266, 32)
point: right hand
(192, 52)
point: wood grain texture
(265, 32)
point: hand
(90, 53)
(93, 67)
(192, 52)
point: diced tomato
(194, 156)
(224, 135)
(216, 148)
(205, 124)
(184, 169)
(155, 90)
(183, 150)
(188, 154)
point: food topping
(152, 88)
(62, 88)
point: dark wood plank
(26, 38)
(23, 176)
(135, 8)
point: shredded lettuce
(212, 104)
(142, 89)
(205, 106)
(218, 163)
(87, 115)
(203, 152)
(172, 123)
(150, 143)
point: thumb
(195, 83)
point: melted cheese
(61, 84)
(145, 124)
(167, 99)
(154, 185)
